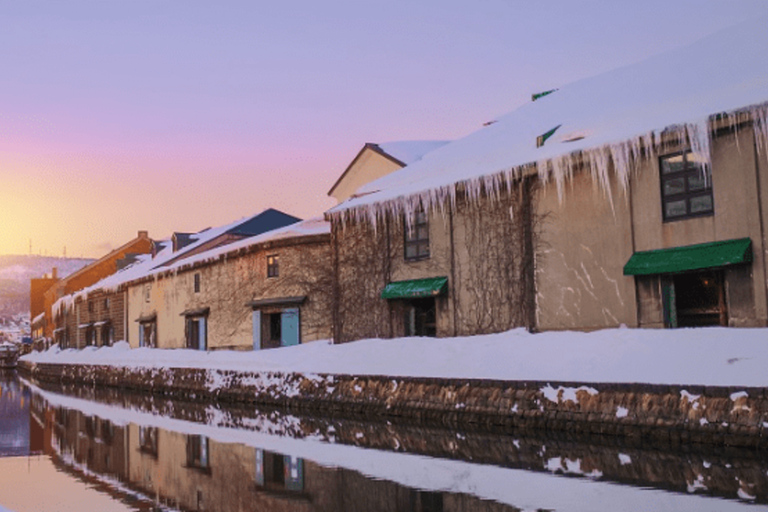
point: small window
(417, 237)
(273, 266)
(686, 186)
(197, 452)
(90, 307)
(147, 293)
(197, 283)
(148, 440)
(106, 304)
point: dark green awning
(415, 288)
(690, 257)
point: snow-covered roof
(409, 151)
(306, 228)
(146, 265)
(609, 117)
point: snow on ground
(527, 490)
(707, 356)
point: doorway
(695, 299)
(419, 318)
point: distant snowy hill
(16, 272)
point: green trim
(690, 257)
(415, 288)
(541, 139)
(538, 95)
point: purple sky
(170, 116)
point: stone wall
(669, 414)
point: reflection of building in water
(14, 412)
(90, 441)
(195, 473)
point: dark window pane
(674, 186)
(675, 208)
(701, 204)
(699, 181)
(672, 164)
(410, 251)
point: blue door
(289, 320)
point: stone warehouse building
(265, 291)
(629, 199)
(98, 314)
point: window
(90, 307)
(197, 283)
(148, 440)
(276, 471)
(417, 237)
(273, 266)
(197, 452)
(147, 292)
(686, 186)
(148, 333)
(106, 304)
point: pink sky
(175, 116)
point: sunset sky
(119, 116)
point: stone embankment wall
(665, 413)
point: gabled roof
(605, 119)
(401, 153)
(267, 220)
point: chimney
(54, 273)
(143, 234)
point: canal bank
(733, 416)
(688, 386)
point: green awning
(690, 257)
(415, 288)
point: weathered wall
(484, 248)
(585, 240)
(227, 285)
(736, 215)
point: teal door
(289, 320)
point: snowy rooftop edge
(724, 72)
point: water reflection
(200, 458)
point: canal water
(101, 450)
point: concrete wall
(226, 288)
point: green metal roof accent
(690, 257)
(541, 139)
(538, 95)
(415, 288)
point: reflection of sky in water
(14, 417)
(35, 484)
